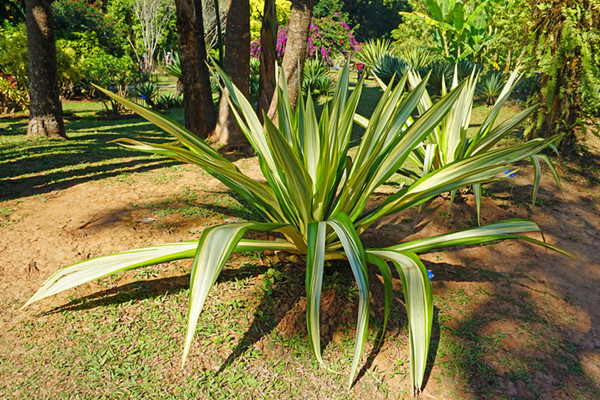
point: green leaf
(314, 281)
(503, 230)
(99, 267)
(86, 271)
(537, 175)
(419, 307)
(186, 137)
(477, 195)
(342, 225)
(214, 248)
(258, 194)
(476, 169)
(388, 291)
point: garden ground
(511, 320)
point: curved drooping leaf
(419, 307)
(342, 225)
(100, 267)
(388, 289)
(356, 256)
(503, 230)
(214, 248)
(314, 281)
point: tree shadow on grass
(39, 166)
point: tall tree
(153, 16)
(295, 50)
(268, 57)
(45, 112)
(199, 111)
(236, 64)
(565, 48)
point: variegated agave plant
(316, 196)
(449, 141)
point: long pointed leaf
(214, 248)
(419, 308)
(358, 262)
(314, 281)
(503, 230)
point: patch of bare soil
(498, 307)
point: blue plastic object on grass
(509, 173)
(430, 274)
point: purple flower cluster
(329, 37)
(279, 44)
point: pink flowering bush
(329, 38)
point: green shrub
(12, 97)
(314, 198)
(13, 54)
(117, 73)
(77, 16)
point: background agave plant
(490, 85)
(417, 57)
(449, 142)
(373, 50)
(440, 75)
(174, 68)
(316, 79)
(148, 91)
(316, 197)
(389, 67)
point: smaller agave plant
(316, 79)
(449, 142)
(491, 85)
(315, 196)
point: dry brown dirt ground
(512, 320)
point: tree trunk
(268, 58)
(45, 111)
(295, 51)
(562, 47)
(236, 64)
(199, 111)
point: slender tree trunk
(45, 111)
(199, 110)
(237, 65)
(295, 50)
(268, 58)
